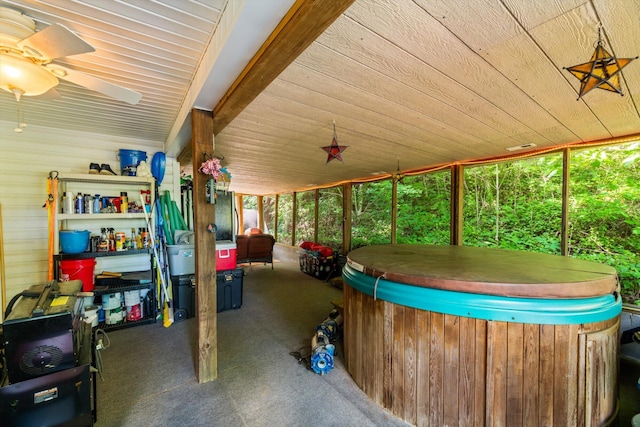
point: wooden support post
(457, 194)
(316, 219)
(205, 246)
(240, 210)
(261, 213)
(566, 174)
(346, 218)
(394, 210)
(276, 218)
(294, 217)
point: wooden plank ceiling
(414, 82)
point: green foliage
(604, 211)
(330, 217)
(371, 214)
(305, 218)
(512, 205)
(269, 211)
(285, 219)
(423, 209)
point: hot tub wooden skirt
(433, 368)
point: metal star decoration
(602, 72)
(334, 151)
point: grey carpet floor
(149, 376)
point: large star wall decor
(334, 151)
(602, 72)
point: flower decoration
(211, 167)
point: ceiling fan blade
(52, 42)
(49, 95)
(95, 84)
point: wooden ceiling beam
(304, 22)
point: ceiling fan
(26, 59)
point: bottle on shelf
(112, 240)
(124, 202)
(68, 203)
(79, 203)
(104, 241)
(120, 241)
(96, 203)
(139, 244)
(88, 204)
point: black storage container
(184, 296)
(229, 289)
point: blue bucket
(129, 161)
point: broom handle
(155, 250)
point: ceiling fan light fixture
(21, 74)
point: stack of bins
(228, 277)
(182, 268)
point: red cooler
(226, 255)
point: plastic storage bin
(184, 297)
(182, 259)
(229, 289)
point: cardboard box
(226, 255)
(182, 259)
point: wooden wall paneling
(582, 379)
(561, 371)
(398, 361)
(515, 374)
(572, 358)
(410, 370)
(436, 374)
(466, 370)
(531, 367)
(547, 356)
(480, 369)
(377, 341)
(433, 369)
(451, 369)
(601, 367)
(496, 374)
(368, 369)
(358, 340)
(423, 392)
(346, 326)
(387, 353)
(205, 248)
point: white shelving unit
(125, 261)
(91, 184)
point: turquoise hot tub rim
(554, 311)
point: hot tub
(458, 335)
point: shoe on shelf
(94, 168)
(105, 169)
